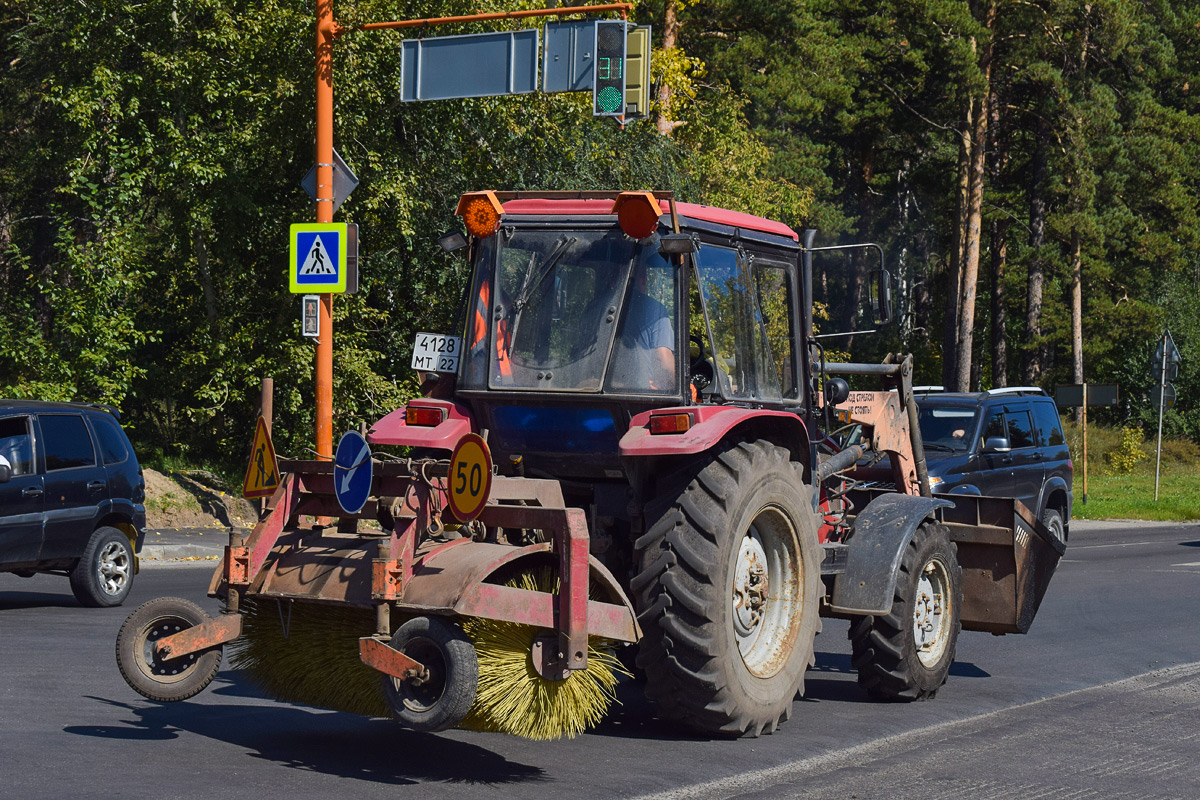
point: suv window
(994, 427)
(15, 444)
(1049, 423)
(1020, 429)
(68, 443)
(112, 441)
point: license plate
(434, 352)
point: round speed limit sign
(470, 477)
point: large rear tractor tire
(906, 654)
(166, 680)
(728, 590)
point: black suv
(1001, 443)
(71, 497)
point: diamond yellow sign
(262, 473)
(470, 477)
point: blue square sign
(318, 258)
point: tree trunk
(670, 33)
(999, 312)
(206, 284)
(973, 220)
(954, 278)
(1037, 239)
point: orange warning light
(480, 212)
(637, 213)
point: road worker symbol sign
(262, 473)
(470, 477)
(318, 258)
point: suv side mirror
(996, 444)
(5, 473)
(881, 296)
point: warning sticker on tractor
(470, 477)
(262, 473)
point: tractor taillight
(670, 423)
(480, 212)
(426, 417)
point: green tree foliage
(152, 152)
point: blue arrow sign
(352, 472)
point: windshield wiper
(939, 446)
(519, 305)
(554, 258)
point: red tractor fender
(710, 424)
(394, 428)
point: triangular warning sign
(317, 260)
(262, 473)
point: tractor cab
(586, 310)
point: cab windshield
(577, 310)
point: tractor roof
(579, 207)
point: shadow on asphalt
(1190, 544)
(330, 743)
(24, 600)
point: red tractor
(662, 428)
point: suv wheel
(1053, 520)
(104, 573)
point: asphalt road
(1101, 699)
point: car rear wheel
(104, 573)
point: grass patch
(1132, 496)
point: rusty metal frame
(214, 632)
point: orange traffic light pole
(327, 31)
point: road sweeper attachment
(497, 622)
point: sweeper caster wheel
(441, 700)
(170, 679)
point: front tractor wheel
(906, 654)
(727, 592)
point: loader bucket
(1008, 558)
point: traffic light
(621, 85)
(637, 73)
(608, 88)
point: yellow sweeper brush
(513, 698)
(308, 653)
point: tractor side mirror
(881, 296)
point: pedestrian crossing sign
(262, 473)
(318, 258)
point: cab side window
(68, 443)
(16, 444)
(1020, 429)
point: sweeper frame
(421, 563)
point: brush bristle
(513, 698)
(309, 654)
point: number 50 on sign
(470, 477)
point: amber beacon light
(480, 212)
(637, 213)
